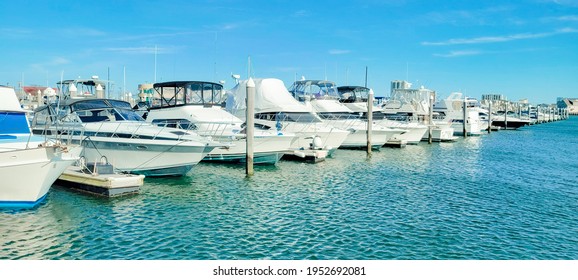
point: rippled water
(506, 195)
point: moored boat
(29, 164)
(112, 130)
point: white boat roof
(8, 100)
(271, 95)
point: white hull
(266, 150)
(357, 137)
(441, 134)
(331, 138)
(414, 131)
(28, 174)
(148, 157)
(213, 121)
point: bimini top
(81, 88)
(179, 93)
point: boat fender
(316, 143)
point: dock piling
(250, 125)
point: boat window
(303, 117)
(204, 93)
(314, 90)
(194, 94)
(175, 123)
(42, 117)
(377, 115)
(98, 115)
(120, 104)
(127, 114)
(13, 122)
(338, 116)
(89, 105)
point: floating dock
(100, 180)
(308, 155)
(396, 143)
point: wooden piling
(250, 128)
(465, 118)
(430, 127)
(369, 120)
(490, 117)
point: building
(494, 97)
(568, 103)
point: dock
(396, 143)
(307, 155)
(100, 180)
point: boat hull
(267, 150)
(20, 188)
(152, 158)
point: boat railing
(344, 121)
(58, 131)
(215, 129)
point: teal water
(506, 195)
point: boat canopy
(170, 94)
(314, 89)
(271, 95)
(93, 87)
(86, 111)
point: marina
(217, 139)
(510, 194)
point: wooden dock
(105, 183)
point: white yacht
(276, 108)
(451, 109)
(29, 164)
(355, 98)
(197, 105)
(322, 97)
(110, 129)
(407, 104)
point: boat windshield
(310, 89)
(350, 94)
(97, 110)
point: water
(506, 195)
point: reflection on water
(507, 195)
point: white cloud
(568, 18)
(459, 53)
(497, 39)
(301, 13)
(338, 52)
(571, 3)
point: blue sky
(521, 49)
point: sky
(520, 49)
